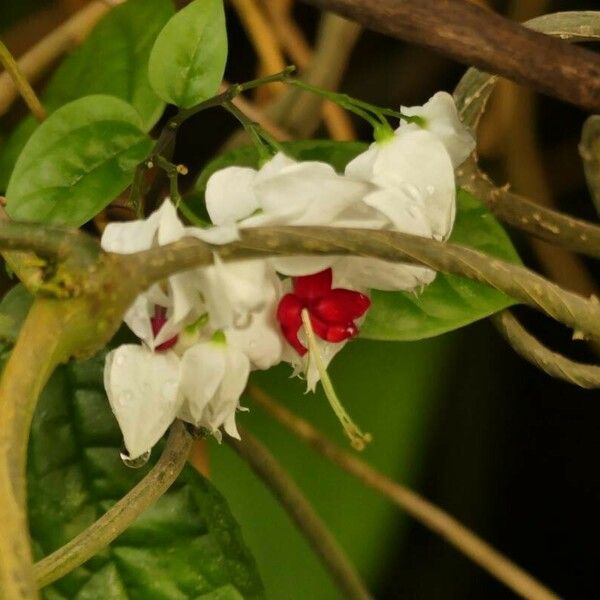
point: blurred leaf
(391, 390)
(188, 59)
(449, 302)
(113, 60)
(185, 546)
(13, 309)
(80, 158)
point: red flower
(158, 321)
(332, 311)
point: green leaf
(79, 159)
(188, 59)
(449, 302)
(13, 309)
(187, 545)
(113, 60)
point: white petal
(404, 207)
(261, 339)
(143, 391)
(328, 352)
(138, 317)
(272, 167)
(377, 274)
(362, 166)
(202, 371)
(232, 387)
(170, 227)
(230, 195)
(130, 237)
(297, 266)
(441, 119)
(417, 158)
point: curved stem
(110, 525)
(284, 488)
(420, 509)
(514, 280)
(38, 350)
(21, 83)
(589, 150)
(531, 349)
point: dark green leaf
(186, 546)
(13, 309)
(80, 158)
(113, 60)
(446, 304)
(188, 59)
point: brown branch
(531, 349)
(472, 94)
(120, 516)
(285, 490)
(475, 36)
(418, 507)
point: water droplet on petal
(134, 463)
(120, 361)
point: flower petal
(230, 195)
(340, 306)
(310, 287)
(170, 228)
(441, 119)
(143, 391)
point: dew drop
(134, 463)
(120, 361)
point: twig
(291, 37)
(284, 488)
(34, 63)
(471, 96)
(120, 516)
(20, 82)
(473, 35)
(531, 349)
(516, 281)
(420, 509)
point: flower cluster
(203, 331)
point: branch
(42, 56)
(516, 281)
(475, 36)
(20, 82)
(554, 364)
(110, 525)
(420, 509)
(285, 490)
(471, 96)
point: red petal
(158, 322)
(341, 306)
(166, 345)
(319, 327)
(310, 287)
(290, 318)
(339, 333)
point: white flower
(440, 117)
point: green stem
(21, 83)
(120, 516)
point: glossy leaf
(113, 60)
(188, 59)
(449, 302)
(185, 546)
(79, 159)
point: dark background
(508, 451)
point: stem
(589, 150)
(531, 349)
(420, 509)
(116, 520)
(21, 83)
(514, 280)
(285, 490)
(37, 352)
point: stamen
(358, 439)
